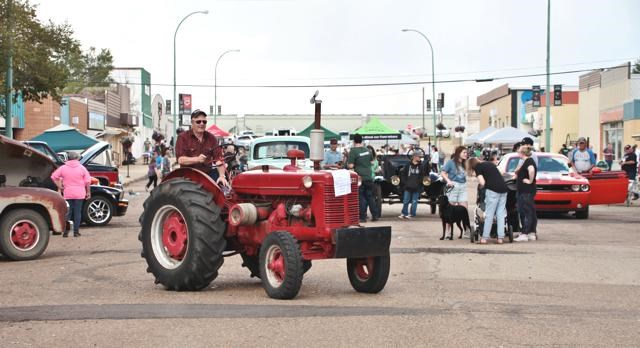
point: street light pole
(215, 85)
(433, 87)
(8, 99)
(547, 99)
(175, 99)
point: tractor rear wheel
(182, 235)
(281, 268)
(369, 274)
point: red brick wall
(38, 118)
(80, 110)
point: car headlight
(426, 181)
(307, 182)
(584, 188)
(395, 180)
(575, 188)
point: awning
(475, 138)
(507, 135)
(65, 138)
(328, 135)
(217, 131)
(376, 130)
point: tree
(42, 52)
(90, 69)
(636, 67)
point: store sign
(185, 104)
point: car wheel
(583, 214)
(97, 211)
(24, 235)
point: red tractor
(279, 221)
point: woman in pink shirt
(73, 182)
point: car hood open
(94, 151)
(19, 162)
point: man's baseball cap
(198, 112)
(333, 141)
(582, 140)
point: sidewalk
(134, 173)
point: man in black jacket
(412, 175)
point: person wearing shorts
(454, 173)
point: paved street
(578, 285)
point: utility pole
(547, 99)
(8, 98)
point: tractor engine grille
(341, 210)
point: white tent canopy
(507, 135)
(476, 138)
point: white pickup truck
(272, 150)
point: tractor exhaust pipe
(317, 135)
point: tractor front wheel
(24, 234)
(182, 235)
(369, 274)
(281, 267)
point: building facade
(608, 111)
(138, 80)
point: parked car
(272, 151)
(245, 140)
(98, 159)
(561, 189)
(105, 202)
(392, 187)
(28, 212)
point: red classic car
(561, 189)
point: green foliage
(40, 51)
(47, 59)
(90, 70)
(636, 67)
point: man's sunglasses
(200, 121)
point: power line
(379, 84)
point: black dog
(452, 214)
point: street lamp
(433, 87)
(175, 98)
(215, 85)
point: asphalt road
(579, 285)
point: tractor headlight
(307, 182)
(426, 181)
(395, 180)
(584, 188)
(575, 188)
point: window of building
(612, 133)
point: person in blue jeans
(412, 175)
(361, 160)
(495, 197)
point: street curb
(134, 180)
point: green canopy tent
(328, 135)
(376, 130)
(65, 138)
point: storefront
(613, 133)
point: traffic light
(536, 96)
(557, 95)
(428, 104)
(440, 102)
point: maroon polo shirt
(188, 145)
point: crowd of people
(199, 149)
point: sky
(322, 42)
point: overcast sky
(316, 42)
